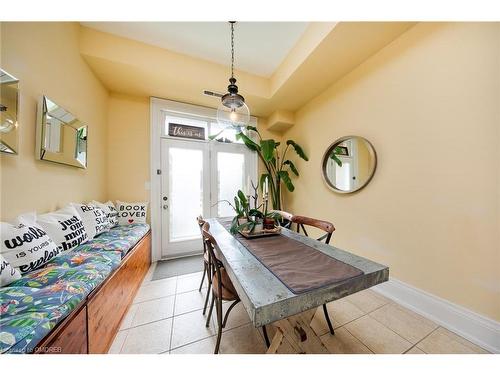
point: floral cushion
(31, 306)
(121, 238)
(28, 314)
(55, 278)
(81, 256)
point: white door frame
(157, 106)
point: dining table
(281, 280)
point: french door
(197, 176)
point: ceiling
(322, 55)
(260, 47)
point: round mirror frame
(373, 163)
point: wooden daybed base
(93, 324)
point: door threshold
(186, 255)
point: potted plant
(251, 219)
(278, 166)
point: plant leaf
(292, 167)
(250, 225)
(336, 159)
(274, 215)
(234, 225)
(252, 128)
(297, 149)
(212, 137)
(243, 198)
(267, 146)
(248, 142)
(237, 206)
(255, 212)
(286, 180)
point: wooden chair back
(325, 226)
(286, 218)
(212, 248)
(201, 222)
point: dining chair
(222, 287)
(328, 228)
(286, 218)
(206, 265)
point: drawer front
(107, 307)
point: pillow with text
(94, 219)
(8, 274)
(110, 211)
(131, 213)
(25, 245)
(65, 227)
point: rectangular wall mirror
(61, 137)
(9, 99)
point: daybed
(75, 303)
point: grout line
(190, 291)
(374, 318)
(415, 345)
(190, 343)
(368, 314)
(123, 343)
(173, 312)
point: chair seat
(228, 291)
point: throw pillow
(65, 227)
(26, 245)
(94, 219)
(110, 210)
(131, 213)
(8, 274)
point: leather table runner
(299, 267)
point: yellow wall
(430, 104)
(45, 57)
(128, 148)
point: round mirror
(349, 164)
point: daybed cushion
(31, 306)
(121, 238)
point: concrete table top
(266, 298)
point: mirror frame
(16, 151)
(40, 134)
(326, 155)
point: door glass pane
(230, 168)
(186, 193)
(226, 135)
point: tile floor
(166, 317)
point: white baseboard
(476, 328)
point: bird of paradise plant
(278, 167)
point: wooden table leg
(297, 332)
(276, 342)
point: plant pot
(258, 227)
(242, 220)
(269, 223)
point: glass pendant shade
(233, 116)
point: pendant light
(232, 111)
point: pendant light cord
(232, 48)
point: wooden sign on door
(186, 131)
